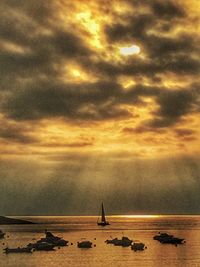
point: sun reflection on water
(139, 216)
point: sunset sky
(99, 101)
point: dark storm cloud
(138, 24)
(136, 28)
(99, 101)
(172, 106)
(86, 101)
(44, 52)
(167, 9)
(31, 77)
(176, 53)
(44, 43)
(48, 97)
(159, 8)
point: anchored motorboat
(111, 241)
(18, 250)
(44, 246)
(2, 234)
(124, 242)
(165, 238)
(41, 246)
(52, 239)
(84, 244)
(137, 245)
(162, 236)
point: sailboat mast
(103, 217)
(103, 221)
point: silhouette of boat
(49, 242)
(2, 234)
(124, 242)
(162, 236)
(103, 221)
(55, 240)
(165, 238)
(137, 246)
(41, 246)
(84, 244)
(18, 250)
(112, 241)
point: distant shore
(6, 220)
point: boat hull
(18, 250)
(103, 223)
(84, 244)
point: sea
(78, 228)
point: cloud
(167, 9)
(34, 44)
(142, 129)
(85, 101)
(154, 32)
(77, 144)
(16, 133)
(36, 47)
(66, 92)
(183, 132)
(173, 105)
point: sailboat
(103, 221)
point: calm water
(76, 228)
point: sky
(99, 101)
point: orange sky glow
(96, 80)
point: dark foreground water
(75, 228)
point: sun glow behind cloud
(130, 50)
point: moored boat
(124, 242)
(138, 246)
(162, 236)
(165, 238)
(84, 244)
(52, 239)
(2, 234)
(41, 246)
(18, 250)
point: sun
(130, 50)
